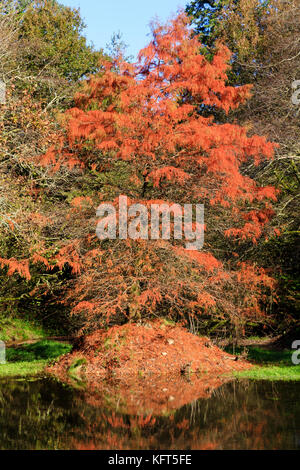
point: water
(46, 414)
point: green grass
(16, 329)
(22, 369)
(269, 364)
(38, 351)
(81, 361)
(31, 359)
(271, 373)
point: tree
(264, 39)
(143, 119)
(41, 73)
(53, 36)
(205, 16)
(52, 54)
(241, 25)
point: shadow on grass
(43, 350)
(31, 359)
(259, 355)
(270, 364)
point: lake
(43, 413)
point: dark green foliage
(204, 15)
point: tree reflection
(46, 414)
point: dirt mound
(157, 353)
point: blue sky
(130, 17)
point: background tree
(41, 66)
(240, 24)
(52, 54)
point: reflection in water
(46, 414)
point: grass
(16, 329)
(31, 359)
(271, 373)
(77, 363)
(22, 369)
(269, 364)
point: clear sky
(130, 17)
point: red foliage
(148, 114)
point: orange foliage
(148, 114)
(16, 266)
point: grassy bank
(17, 330)
(31, 359)
(269, 364)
